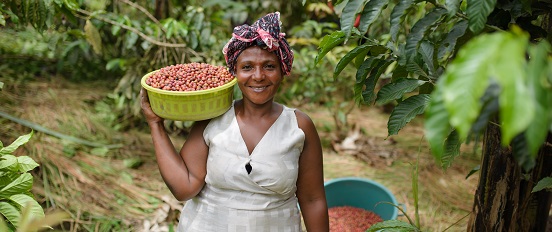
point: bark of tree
(503, 200)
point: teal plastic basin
(361, 193)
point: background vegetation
(70, 71)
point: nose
(258, 74)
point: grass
(103, 193)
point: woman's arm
(183, 173)
(310, 183)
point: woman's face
(259, 74)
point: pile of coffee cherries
(189, 77)
(351, 219)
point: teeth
(258, 89)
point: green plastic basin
(361, 193)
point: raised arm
(184, 172)
(310, 183)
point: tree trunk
(503, 200)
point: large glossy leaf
(392, 225)
(370, 13)
(448, 44)
(437, 125)
(10, 212)
(7, 177)
(350, 56)
(396, 90)
(517, 107)
(397, 17)
(452, 149)
(24, 200)
(478, 11)
(467, 78)
(328, 43)
(426, 51)
(18, 142)
(405, 111)
(348, 16)
(536, 73)
(22, 184)
(419, 29)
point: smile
(258, 89)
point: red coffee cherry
(351, 219)
(189, 77)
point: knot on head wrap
(265, 32)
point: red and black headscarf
(265, 33)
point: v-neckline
(262, 138)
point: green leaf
(392, 225)
(368, 94)
(452, 149)
(406, 111)
(466, 79)
(436, 125)
(545, 183)
(24, 200)
(396, 90)
(489, 108)
(26, 163)
(452, 6)
(517, 108)
(447, 46)
(426, 51)
(370, 13)
(420, 28)
(18, 142)
(362, 49)
(477, 12)
(348, 16)
(398, 15)
(328, 43)
(8, 162)
(22, 184)
(71, 4)
(10, 212)
(536, 72)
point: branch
(144, 36)
(146, 12)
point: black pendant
(248, 168)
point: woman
(250, 168)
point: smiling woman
(252, 167)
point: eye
(270, 66)
(246, 67)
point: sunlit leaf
(328, 43)
(8, 162)
(93, 36)
(467, 78)
(397, 89)
(545, 183)
(405, 111)
(15, 144)
(536, 73)
(10, 212)
(370, 13)
(24, 200)
(398, 15)
(26, 163)
(20, 185)
(489, 108)
(478, 11)
(517, 107)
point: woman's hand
(151, 117)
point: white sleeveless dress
(232, 199)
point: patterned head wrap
(265, 33)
